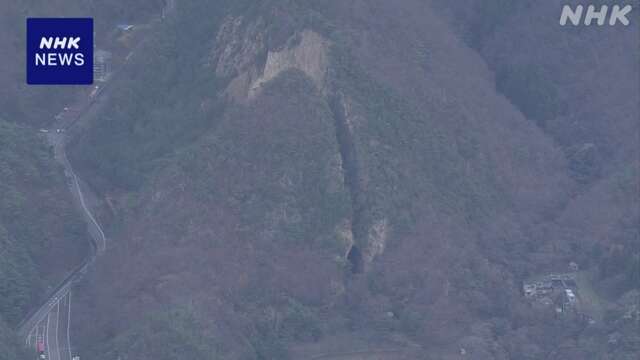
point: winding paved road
(51, 322)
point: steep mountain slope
(254, 211)
(10, 346)
(41, 236)
(295, 171)
(581, 87)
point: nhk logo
(63, 59)
(577, 16)
(59, 51)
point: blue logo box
(59, 51)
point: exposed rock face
(368, 237)
(308, 56)
(241, 48)
(376, 240)
(238, 45)
(394, 155)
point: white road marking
(28, 340)
(82, 203)
(57, 335)
(36, 331)
(36, 335)
(31, 333)
(68, 324)
(47, 337)
(40, 336)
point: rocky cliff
(351, 173)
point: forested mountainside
(41, 235)
(294, 179)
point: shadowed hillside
(287, 179)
